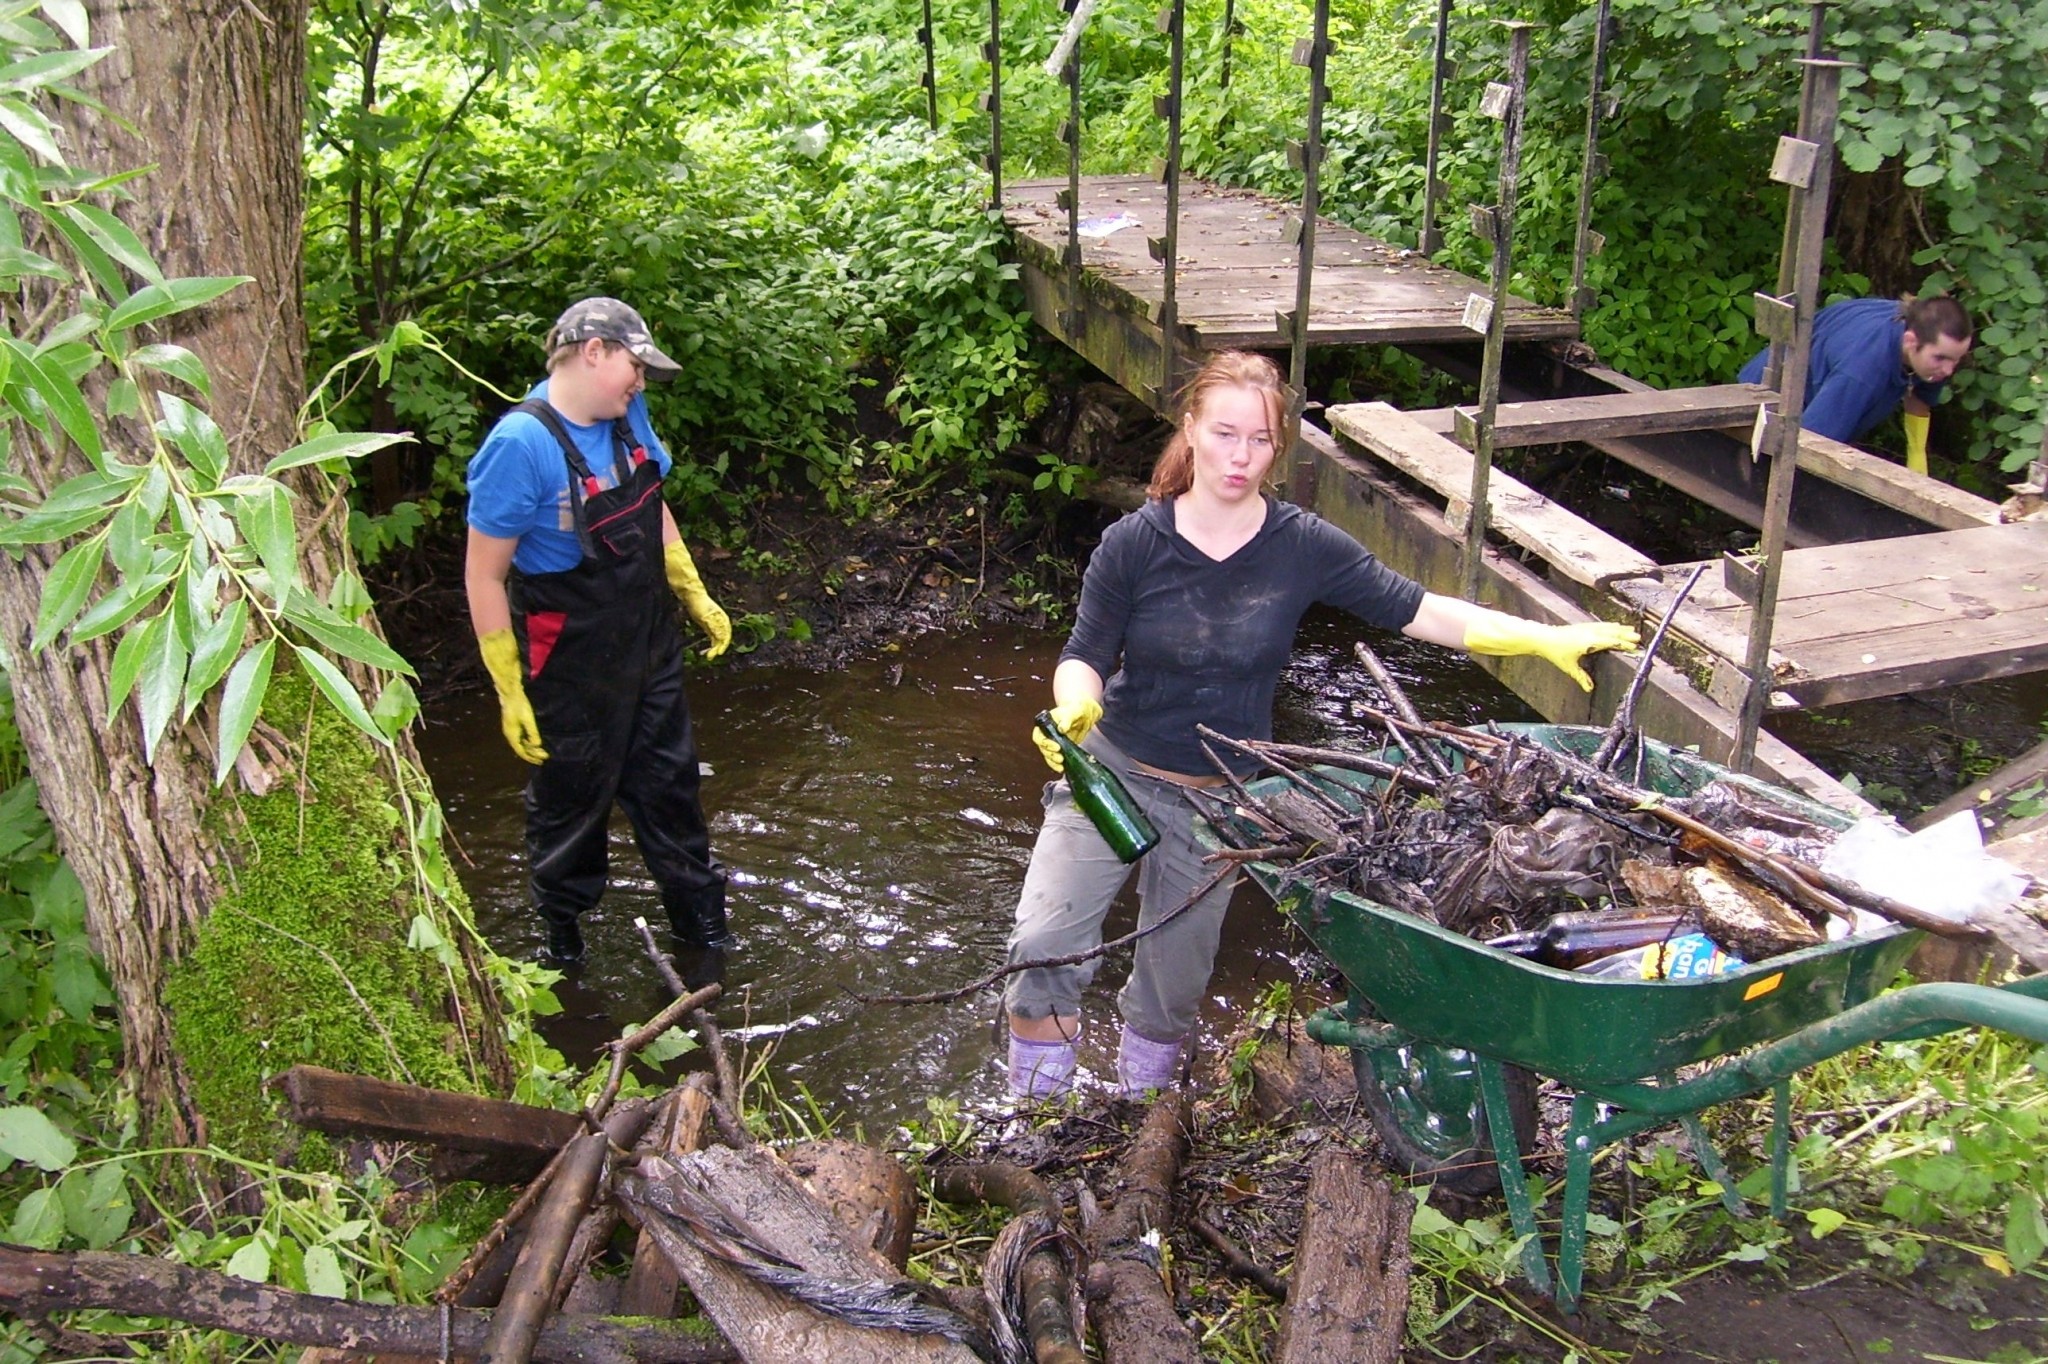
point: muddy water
(876, 823)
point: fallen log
(734, 1222)
(1291, 1077)
(530, 1293)
(1131, 1304)
(516, 1140)
(651, 1284)
(1043, 1285)
(34, 1282)
(1348, 1297)
(865, 1188)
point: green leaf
(172, 296)
(264, 516)
(117, 240)
(341, 637)
(667, 1047)
(241, 703)
(336, 445)
(219, 644)
(47, 68)
(60, 394)
(2026, 1229)
(120, 606)
(162, 683)
(179, 363)
(97, 1208)
(251, 1262)
(339, 691)
(59, 904)
(323, 1273)
(128, 537)
(26, 1135)
(76, 981)
(30, 129)
(128, 656)
(397, 706)
(16, 262)
(1824, 1221)
(196, 435)
(65, 589)
(1926, 173)
(39, 1221)
(69, 15)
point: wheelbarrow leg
(1781, 1144)
(1578, 1188)
(1500, 1126)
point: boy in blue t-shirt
(571, 560)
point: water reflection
(876, 823)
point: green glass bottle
(1103, 798)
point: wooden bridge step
(1575, 548)
(1655, 412)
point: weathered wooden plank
(2031, 766)
(1348, 1296)
(1653, 412)
(1918, 658)
(1579, 550)
(355, 1105)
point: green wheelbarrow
(1449, 1037)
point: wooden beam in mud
(520, 1137)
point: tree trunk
(210, 93)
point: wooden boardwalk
(1854, 621)
(1235, 271)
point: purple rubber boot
(1040, 1070)
(1143, 1064)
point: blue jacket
(1856, 375)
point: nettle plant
(195, 568)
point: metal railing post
(1490, 315)
(1806, 164)
(1166, 249)
(1314, 53)
(1431, 241)
(931, 68)
(993, 102)
(1590, 243)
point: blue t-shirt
(1183, 639)
(1856, 374)
(519, 481)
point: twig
(1063, 50)
(707, 1027)
(623, 1049)
(1073, 959)
(1356, 762)
(1316, 793)
(1398, 699)
(1235, 1261)
(1625, 714)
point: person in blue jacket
(1869, 356)
(573, 569)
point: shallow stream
(876, 823)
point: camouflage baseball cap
(611, 320)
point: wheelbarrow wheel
(1425, 1103)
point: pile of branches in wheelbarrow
(1560, 853)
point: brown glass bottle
(1568, 941)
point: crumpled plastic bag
(1941, 869)
(1564, 852)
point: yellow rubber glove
(1916, 440)
(689, 589)
(1074, 720)
(1562, 645)
(515, 712)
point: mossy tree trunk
(210, 93)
